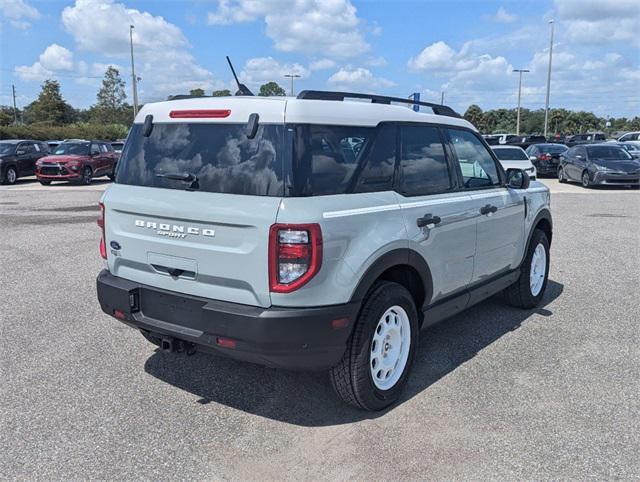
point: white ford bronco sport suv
(314, 232)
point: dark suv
(18, 158)
(585, 139)
(78, 161)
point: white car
(514, 157)
(631, 138)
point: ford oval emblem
(115, 245)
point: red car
(77, 161)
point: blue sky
(467, 49)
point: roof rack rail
(186, 96)
(375, 99)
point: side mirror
(517, 179)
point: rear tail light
(544, 157)
(103, 243)
(295, 255)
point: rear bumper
(293, 338)
(547, 169)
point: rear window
(511, 154)
(553, 148)
(219, 156)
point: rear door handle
(489, 208)
(428, 219)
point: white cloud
(329, 27)
(439, 57)
(348, 78)
(597, 22)
(54, 59)
(376, 61)
(322, 64)
(502, 16)
(19, 12)
(259, 70)
(162, 52)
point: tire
(585, 181)
(529, 289)
(388, 308)
(561, 177)
(45, 183)
(87, 176)
(10, 175)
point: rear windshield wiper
(182, 176)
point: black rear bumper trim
(293, 338)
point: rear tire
(112, 175)
(45, 183)
(381, 349)
(10, 175)
(586, 182)
(529, 289)
(561, 177)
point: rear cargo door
(202, 244)
(192, 205)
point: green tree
(634, 125)
(50, 106)
(110, 107)
(474, 115)
(271, 89)
(197, 92)
(7, 116)
(221, 93)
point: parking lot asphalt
(497, 392)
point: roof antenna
(242, 89)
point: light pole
(442, 98)
(292, 76)
(546, 107)
(133, 74)
(520, 71)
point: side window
(570, 153)
(377, 173)
(36, 146)
(326, 157)
(95, 149)
(477, 166)
(581, 151)
(103, 148)
(423, 165)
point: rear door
(440, 222)
(499, 211)
(206, 236)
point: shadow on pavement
(307, 399)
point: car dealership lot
(496, 392)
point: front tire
(529, 289)
(380, 352)
(10, 175)
(45, 183)
(87, 176)
(586, 182)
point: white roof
(277, 110)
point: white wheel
(538, 269)
(390, 348)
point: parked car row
(74, 160)
(607, 163)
